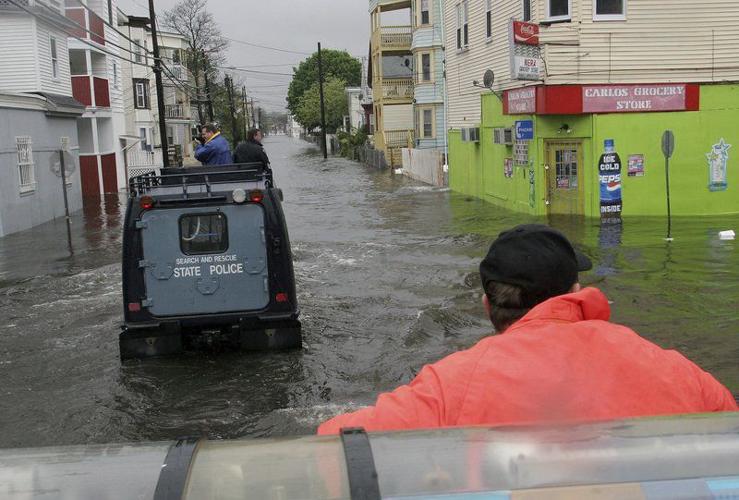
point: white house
(37, 117)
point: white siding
(689, 41)
(18, 64)
(62, 84)
(464, 67)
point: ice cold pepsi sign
(609, 172)
(633, 98)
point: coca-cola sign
(526, 33)
(633, 98)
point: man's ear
(575, 288)
(486, 304)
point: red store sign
(633, 98)
(521, 101)
(582, 99)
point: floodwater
(387, 281)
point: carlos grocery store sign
(633, 98)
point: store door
(564, 179)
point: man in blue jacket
(215, 149)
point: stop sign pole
(668, 147)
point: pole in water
(63, 171)
(159, 86)
(668, 148)
(323, 107)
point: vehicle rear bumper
(171, 337)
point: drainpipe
(446, 97)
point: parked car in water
(206, 254)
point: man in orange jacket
(558, 358)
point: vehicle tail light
(281, 297)
(146, 202)
(134, 307)
(256, 196)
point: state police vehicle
(206, 254)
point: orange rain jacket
(561, 362)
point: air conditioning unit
(503, 136)
(465, 134)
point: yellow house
(391, 71)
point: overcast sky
(294, 25)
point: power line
(245, 70)
(267, 47)
(109, 25)
(86, 42)
(75, 25)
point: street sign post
(668, 148)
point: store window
(559, 10)
(609, 10)
(489, 20)
(463, 27)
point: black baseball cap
(535, 257)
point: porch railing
(397, 88)
(175, 111)
(399, 138)
(396, 37)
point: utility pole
(243, 109)
(260, 121)
(253, 115)
(207, 87)
(159, 86)
(323, 107)
(234, 125)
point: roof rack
(200, 176)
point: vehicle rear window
(203, 233)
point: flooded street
(387, 281)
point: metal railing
(397, 88)
(399, 138)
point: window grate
(26, 173)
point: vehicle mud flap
(150, 342)
(270, 336)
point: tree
(308, 112)
(206, 45)
(336, 63)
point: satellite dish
(488, 79)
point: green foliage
(336, 63)
(308, 111)
(350, 141)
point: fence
(399, 37)
(425, 165)
(397, 88)
(371, 157)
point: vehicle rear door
(204, 260)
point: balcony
(89, 21)
(93, 93)
(176, 112)
(178, 72)
(397, 90)
(392, 38)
